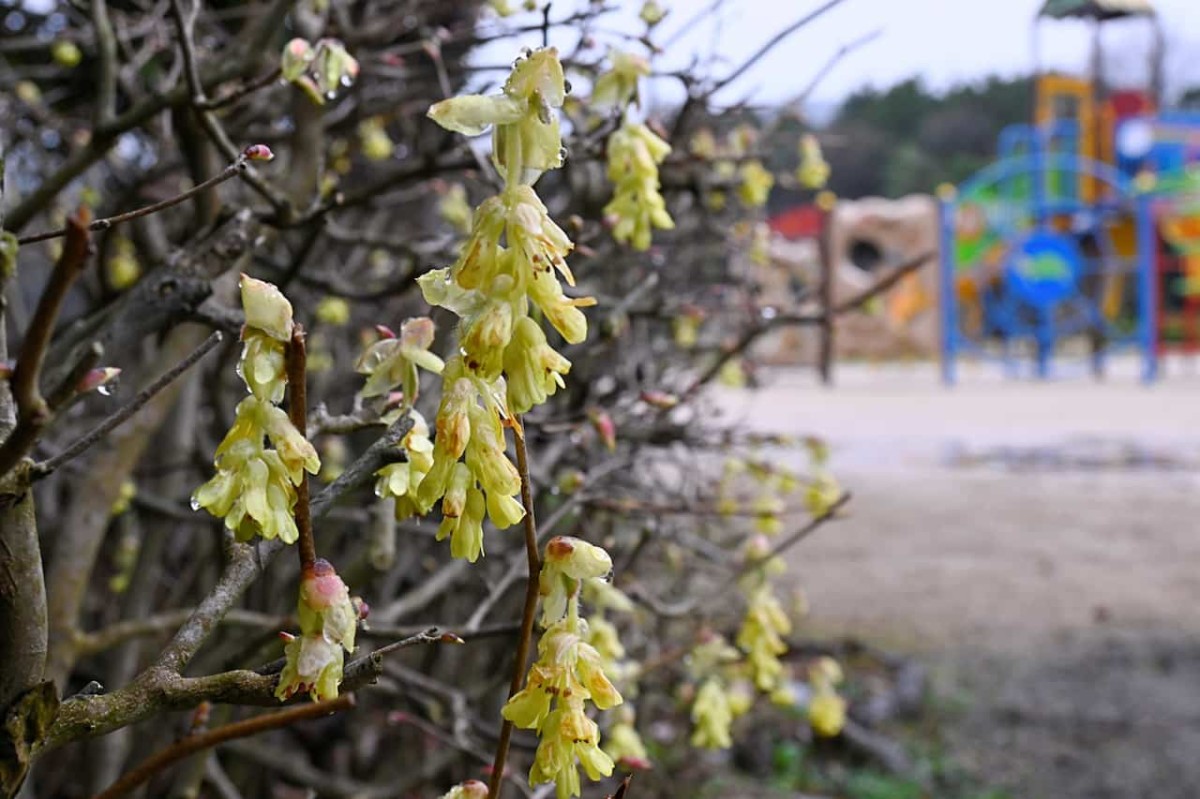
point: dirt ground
(1037, 545)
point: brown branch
(238, 166)
(32, 411)
(624, 789)
(297, 378)
(229, 732)
(119, 416)
(527, 615)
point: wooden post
(826, 202)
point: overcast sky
(943, 41)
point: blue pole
(946, 214)
(1148, 287)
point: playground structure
(838, 252)
(1084, 236)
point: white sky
(943, 41)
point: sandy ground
(1037, 544)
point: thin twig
(795, 538)
(297, 378)
(228, 172)
(106, 77)
(229, 732)
(770, 45)
(122, 414)
(834, 60)
(527, 615)
(215, 103)
(32, 411)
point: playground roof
(1096, 9)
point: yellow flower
(533, 369)
(266, 308)
(66, 53)
(756, 184)
(393, 362)
(454, 208)
(123, 268)
(712, 716)
(761, 637)
(328, 621)
(623, 744)
(312, 665)
(376, 144)
(526, 139)
(813, 172)
(822, 492)
(619, 85)
(827, 714)
(333, 311)
(652, 12)
(637, 206)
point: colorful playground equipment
(1084, 236)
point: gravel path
(1038, 545)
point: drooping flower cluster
(826, 709)
(328, 621)
(400, 481)
(756, 184)
(509, 265)
(254, 489)
(718, 701)
(813, 171)
(622, 742)
(569, 673)
(619, 86)
(765, 623)
(637, 206)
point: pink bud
(636, 763)
(605, 428)
(361, 607)
(474, 789)
(660, 399)
(258, 152)
(451, 638)
(286, 637)
(384, 331)
(96, 378)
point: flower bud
(258, 152)
(577, 558)
(266, 308)
(297, 55)
(97, 379)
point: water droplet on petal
(346, 80)
(195, 503)
(104, 390)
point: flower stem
(297, 371)
(531, 599)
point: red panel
(801, 222)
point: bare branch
(119, 416)
(229, 732)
